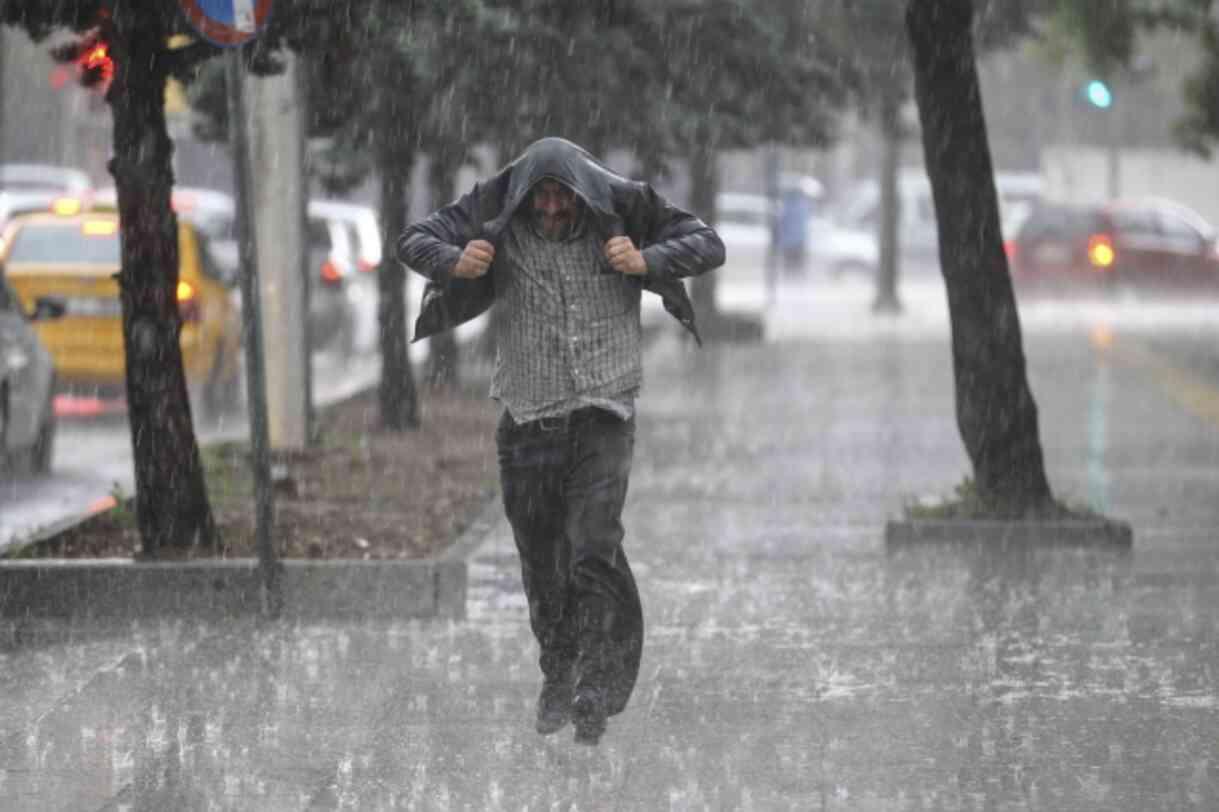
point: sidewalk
(791, 662)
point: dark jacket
(675, 244)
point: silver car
(27, 386)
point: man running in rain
(565, 247)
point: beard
(554, 226)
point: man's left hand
(624, 257)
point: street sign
(227, 23)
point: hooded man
(565, 248)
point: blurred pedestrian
(791, 230)
(566, 247)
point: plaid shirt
(571, 336)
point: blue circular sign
(227, 23)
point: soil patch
(362, 492)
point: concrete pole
(277, 150)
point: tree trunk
(171, 495)
(443, 357)
(704, 185)
(890, 207)
(399, 398)
(996, 414)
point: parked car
(209, 211)
(364, 231)
(13, 203)
(27, 384)
(74, 258)
(61, 180)
(1146, 244)
(744, 223)
(333, 310)
(845, 241)
(336, 292)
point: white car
(846, 241)
(62, 180)
(744, 223)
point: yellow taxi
(73, 254)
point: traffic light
(1098, 94)
(97, 68)
(90, 57)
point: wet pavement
(791, 660)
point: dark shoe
(554, 706)
(588, 713)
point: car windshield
(66, 243)
(1060, 223)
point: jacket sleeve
(677, 243)
(433, 245)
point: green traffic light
(1098, 94)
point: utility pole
(770, 272)
(251, 310)
(276, 124)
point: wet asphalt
(792, 660)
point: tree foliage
(1198, 129)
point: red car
(1145, 245)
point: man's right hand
(474, 260)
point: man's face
(554, 207)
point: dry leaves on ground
(362, 492)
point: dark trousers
(564, 483)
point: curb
(1065, 533)
(350, 589)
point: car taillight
(1009, 248)
(188, 302)
(366, 266)
(330, 273)
(1101, 254)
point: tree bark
(171, 495)
(398, 396)
(996, 414)
(443, 356)
(890, 208)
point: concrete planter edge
(121, 589)
(1056, 533)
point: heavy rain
(688, 405)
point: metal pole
(1113, 152)
(3, 116)
(269, 567)
(771, 271)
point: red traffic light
(96, 65)
(89, 57)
